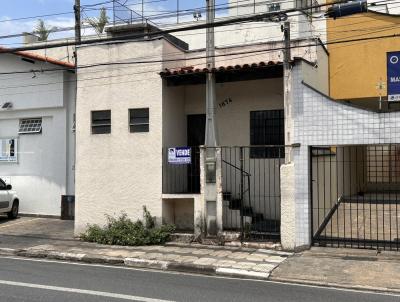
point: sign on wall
(8, 150)
(393, 76)
(180, 155)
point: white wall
(321, 121)
(40, 175)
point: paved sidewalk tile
(350, 268)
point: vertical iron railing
(251, 190)
(123, 13)
(181, 178)
(355, 196)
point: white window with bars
(30, 125)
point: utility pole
(78, 39)
(77, 10)
(213, 207)
(211, 129)
(287, 93)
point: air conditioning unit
(7, 105)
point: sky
(13, 10)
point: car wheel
(13, 214)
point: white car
(9, 202)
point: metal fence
(356, 196)
(182, 178)
(251, 190)
(181, 11)
(123, 13)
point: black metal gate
(355, 196)
(251, 191)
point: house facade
(37, 106)
(140, 111)
(292, 165)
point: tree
(99, 23)
(43, 30)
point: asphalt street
(42, 280)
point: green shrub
(123, 231)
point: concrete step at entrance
(231, 218)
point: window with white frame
(9, 150)
(30, 125)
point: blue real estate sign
(180, 155)
(393, 76)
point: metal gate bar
(251, 191)
(355, 196)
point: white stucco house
(37, 135)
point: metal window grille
(274, 7)
(139, 120)
(267, 128)
(101, 122)
(31, 125)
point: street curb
(181, 267)
(336, 285)
(137, 263)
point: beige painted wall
(317, 76)
(233, 122)
(234, 119)
(120, 171)
(179, 212)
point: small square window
(274, 7)
(139, 120)
(30, 125)
(101, 122)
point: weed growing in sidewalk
(123, 231)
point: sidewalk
(194, 258)
(346, 268)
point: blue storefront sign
(393, 76)
(180, 155)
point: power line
(257, 17)
(153, 71)
(203, 57)
(89, 26)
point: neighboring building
(37, 139)
(357, 68)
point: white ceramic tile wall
(321, 121)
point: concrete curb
(180, 267)
(136, 263)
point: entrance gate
(251, 191)
(355, 196)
